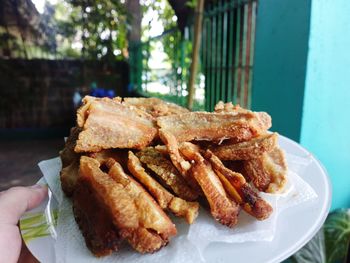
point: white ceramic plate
(295, 226)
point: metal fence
(160, 66)
(228, 51)
(226, 58)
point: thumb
(15, 201)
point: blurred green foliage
(91, 29)
(331, 244)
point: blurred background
(290, 58)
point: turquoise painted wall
(280, 62)
(326, 115)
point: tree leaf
(314, 251)
(337, 234)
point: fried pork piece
(222, 208)
(178, 161)
(237, 187)
(221, 107)
(268, 172)
(173, 150)
(70, 163)
(107, 123)
(228, 107)
(215, 126)
(246, 150)
(94, 220)
(68, 154)
(166, 200)
(83, 111)
(154, 106)
(134, 212)
(119, 155)
(167, 173)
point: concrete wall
(280, 62)
(326, 115)
(39, 93)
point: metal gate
(226, 57)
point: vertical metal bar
(243, 54)
(248, 8)
(201, 54)
(213, 64)
(224, 58)
(238, 54)
(175, 76)
(218, 53)
(147, 66)
(251, 62)
(230, 55)
(205, 62)
(209, 64)
(178, 63)
(185, 54)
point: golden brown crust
(83, 111)
(94, 221)
(178, 161)
(70, 163)
(134, 212)
(105, 122)
(214, 126)
(68, 154)
(173, 150)
(69, 177)
(167, 173)
(180, 207)
(237, 187)
(119, 155)
(110, 206)
(253, 171)
(264, 118)
(222, 208)
(222, 107)
(162, 196)
(154, 106)
(246, 150)
(268, 172)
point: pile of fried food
(128, 161)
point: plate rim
(324, 212)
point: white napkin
(191, 241)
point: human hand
(13, 203)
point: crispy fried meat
(70, 163)
(166, 200)
(237, 187)
(134, 212)
(268, 172)
(167, 173)
(245, 150)
(222, 208)
(94, 220)
(107, 123)
(154, 106)
(215, 126)
(178, 161)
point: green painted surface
(326, 119)
(282, 35)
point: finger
(15, 201)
